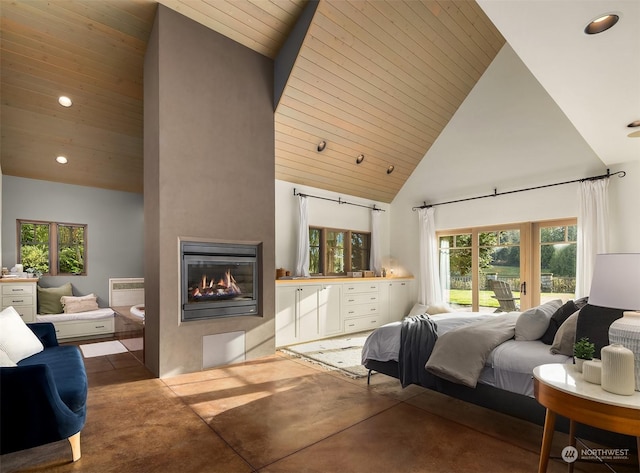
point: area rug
(340, 353)
(91, 350)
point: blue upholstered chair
(44, 398)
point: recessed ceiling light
(61, 160)
(65, 101)
(390, 169)
(602, 23)
(359, 159)
(322, 145)
(634, 124)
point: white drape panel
(430, 289)
(302, 255)
(593, 225)
(375, 258)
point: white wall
(508, 135)
(321, 213)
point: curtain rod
(338, 200)
(620, 174)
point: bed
(502, 368)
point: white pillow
(5, 361)
(16, 339)
(417, 309)
(533, 323)
(433, 309)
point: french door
(478, 266)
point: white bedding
(509, 366)
(102, 313)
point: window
(536, 259)
(52, 248)
(334, 252)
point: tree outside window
(52, 248)
(334, 252)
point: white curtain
(593, 225)
(430, 289)
(375, 259)
(302, 255)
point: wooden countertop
(338, 279)
(18, 280)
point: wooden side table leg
(572, 441)
(547, 438)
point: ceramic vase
(592, 371)
(626, 332)
(618, 375)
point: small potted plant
(583, 350)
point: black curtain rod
(338, 200)
(620, 174)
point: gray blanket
(460, 355)
(417, 339)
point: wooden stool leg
(547, 438)
(74, 440)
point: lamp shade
(616, 281)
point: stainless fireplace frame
(219, 253)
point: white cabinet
(399, 300)
(22, 296)
(329, 314)
(296, 313)
(361, 306)
(309, 310)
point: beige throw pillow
(565, 336)
(73, 305)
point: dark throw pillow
(594, 322)
(557, 319)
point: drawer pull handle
(17, 290)
(351, 325)
(351, 312)
(374, 322)
(350, 300)
(15, 301)
(99, 326)
(373, 298)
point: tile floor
(282, 414)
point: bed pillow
(17, 340)
(5, 361)
(73, 305)
(434, 309)
(417, 309)
(594, 322)
(557, 319)
(565, 336)
(533, 323)
(49, 298)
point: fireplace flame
(225, 286)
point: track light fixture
(321, 146)
(390, 169)
(360, 158)
(603, 23)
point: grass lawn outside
(463, 297)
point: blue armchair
(44, 398)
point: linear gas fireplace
(219, 280)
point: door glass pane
(499, 270)
(335, 252)
(455, 270)
(557, 262)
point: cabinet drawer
(360, 310)
(13, 289)
(361, 324)
(17, 300)
(74, 328)
(28, 313)
(356, 288)
(366, 298)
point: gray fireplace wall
(209, 176)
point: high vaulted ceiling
(381, 79)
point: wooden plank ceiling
(380, 79)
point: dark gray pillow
(594, 322)
(557, 319)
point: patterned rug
(340, 353)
